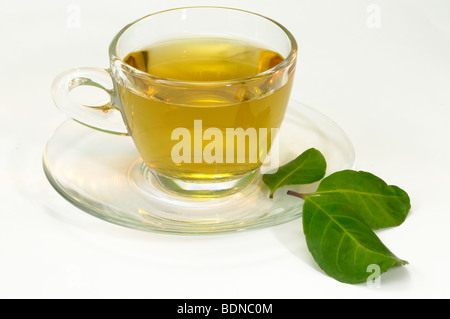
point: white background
(387, 85)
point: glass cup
(199, 138)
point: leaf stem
(292, 193)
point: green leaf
(340, 241)
(307, 168)
(379, 204)
(339, 218)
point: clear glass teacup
(202, 91)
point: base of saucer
(102, 174)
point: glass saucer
(101, 174)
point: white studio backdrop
(380, 69)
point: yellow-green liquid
(154, 108)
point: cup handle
(107, 117)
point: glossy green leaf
(379, 204)
(307, 168)
(341, 242)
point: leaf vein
(344, 230)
